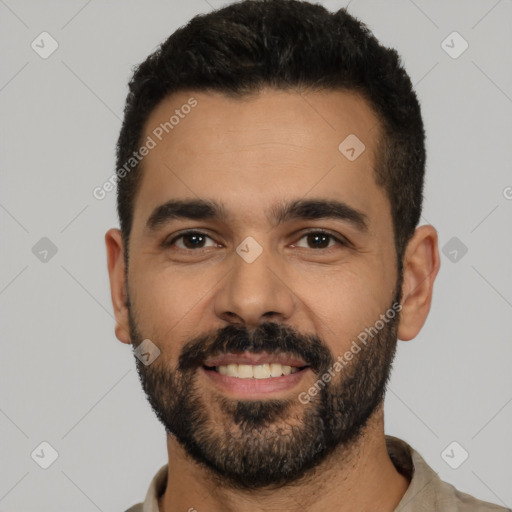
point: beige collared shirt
(426, 491)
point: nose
(255, 292)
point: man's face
(251, 308)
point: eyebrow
(299, 209)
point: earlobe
(116, 271)
(421, 265)
(122, 334)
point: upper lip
(254, 359)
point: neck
(354, 478)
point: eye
(195, 240)
(191, 240)
(320, 239)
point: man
(270, 178)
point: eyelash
(341, 240)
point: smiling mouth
(257, 371)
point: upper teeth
(259, 371)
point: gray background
(64, 377)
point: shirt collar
(156, 489)
(424, 482)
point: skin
(250, 154)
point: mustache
(268, 337)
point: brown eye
(320, 240)
(191, 240)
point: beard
(254, 444)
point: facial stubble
(253, 444)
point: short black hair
(288, 45)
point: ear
(116, 272)
(421, 265)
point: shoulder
(135, 508)
(427, 492)
(462, 502)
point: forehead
(255, 151)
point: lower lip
(255, 388)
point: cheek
(341, 303)
(164, 303)
(336, 302)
